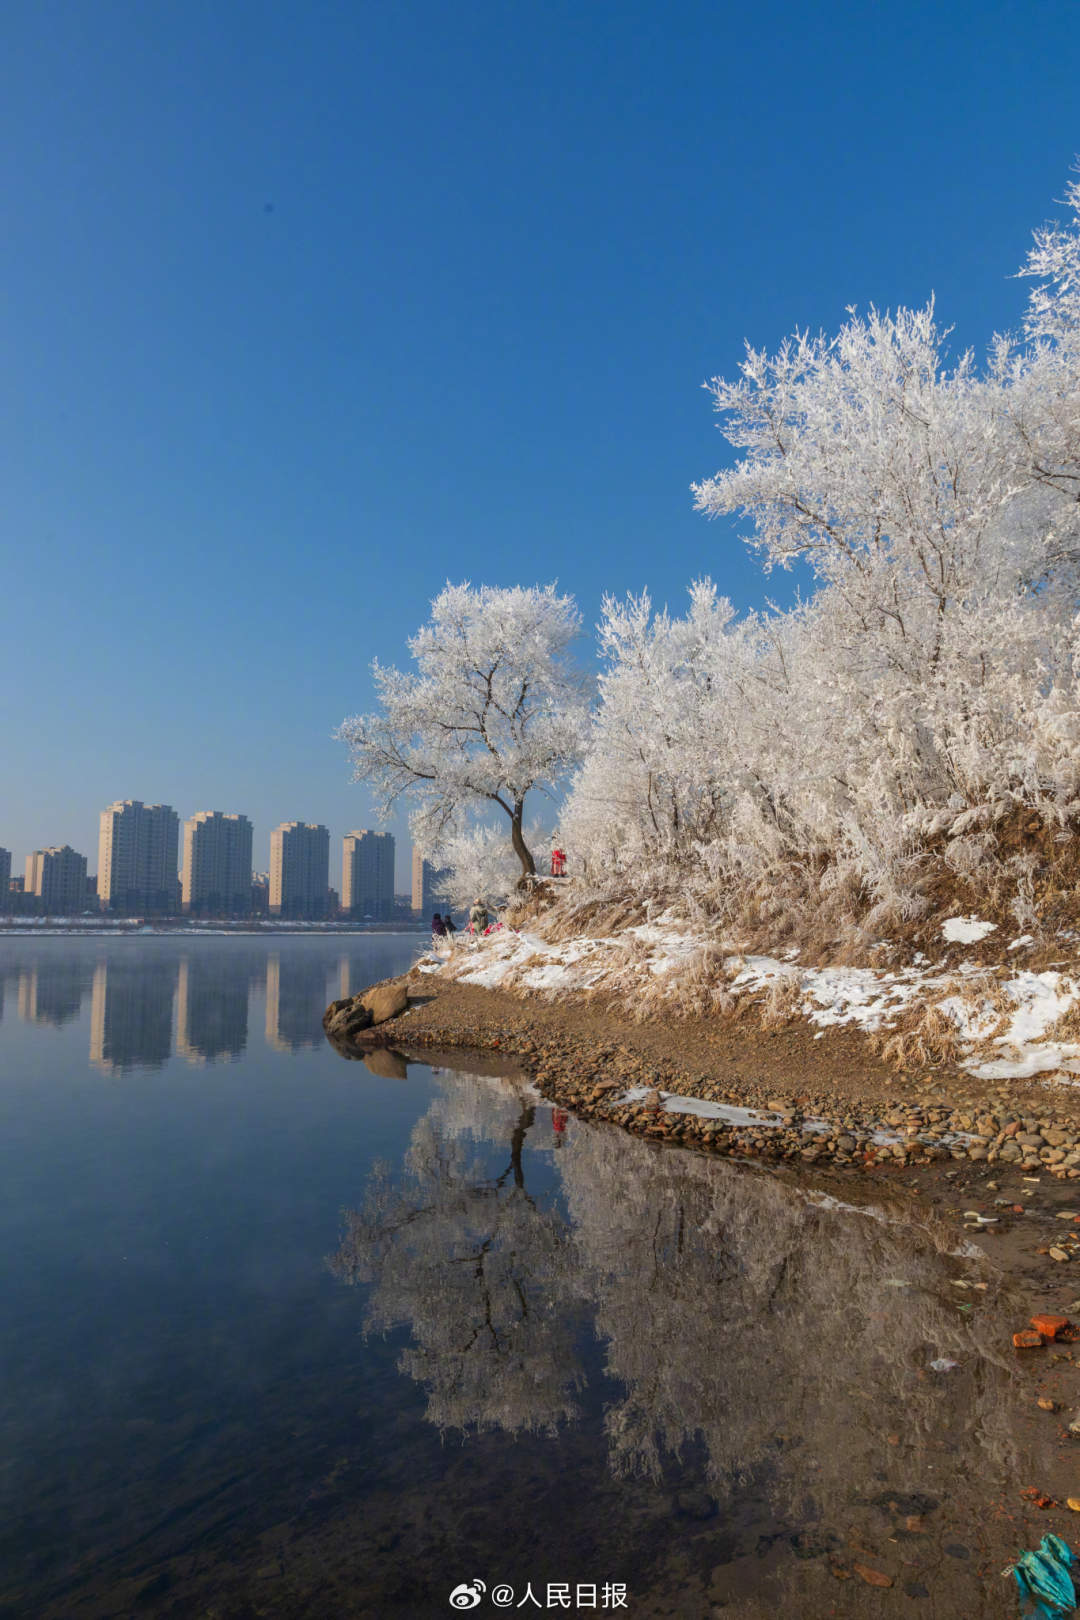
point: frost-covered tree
(932, 678)
(495, 708)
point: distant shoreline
(101, 928)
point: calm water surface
(285, 1336)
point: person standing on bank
(438, 927)
(478, 917)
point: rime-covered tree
(931, 680)
(494, 709)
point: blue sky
(308, 308)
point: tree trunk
(521, 848)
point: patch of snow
(1016, 944)
(966, 930)
(727, 1113)
(1036, 1060)
(673, 1103)
(1041, 999)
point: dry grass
(695, 988)
(1021, 872)
(1065, 1030)
(781, 1002)
(929, 1034)
(598, 916)
(929, 1041)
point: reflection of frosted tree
(479, 1269)
(737, 1311)
(747, 1328)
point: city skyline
(16, 858)
(211, 870)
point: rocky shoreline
(664, 1098)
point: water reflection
(296, 999)
(147, 1000)
(654, 1368)
(131, 1015)
(52, 992)
(745, 1321)
(483, 1273)
(211, 1017)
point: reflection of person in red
(559, 1117)
(558, 863)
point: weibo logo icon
(467, 1595)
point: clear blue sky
(309, 307)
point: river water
(285, 1335)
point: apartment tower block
(57, 877)
(299, 869)
(138, 852)
(217, 865)
(367, 875)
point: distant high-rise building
(217, 865)
(367, 875)
(57, 879)
(260, 894)
(137, 857)
(299, 869)
(5, 872)
(424, 878)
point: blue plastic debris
(1046, 1587)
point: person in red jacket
(558, 863)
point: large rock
(386, 1000)
(349, 1017)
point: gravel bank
(738, 1090)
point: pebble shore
(613, 1082)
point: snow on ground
(1005, 1022)
(865, 996)
(966, 930)
(752, 1118)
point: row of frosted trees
(926, 684)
